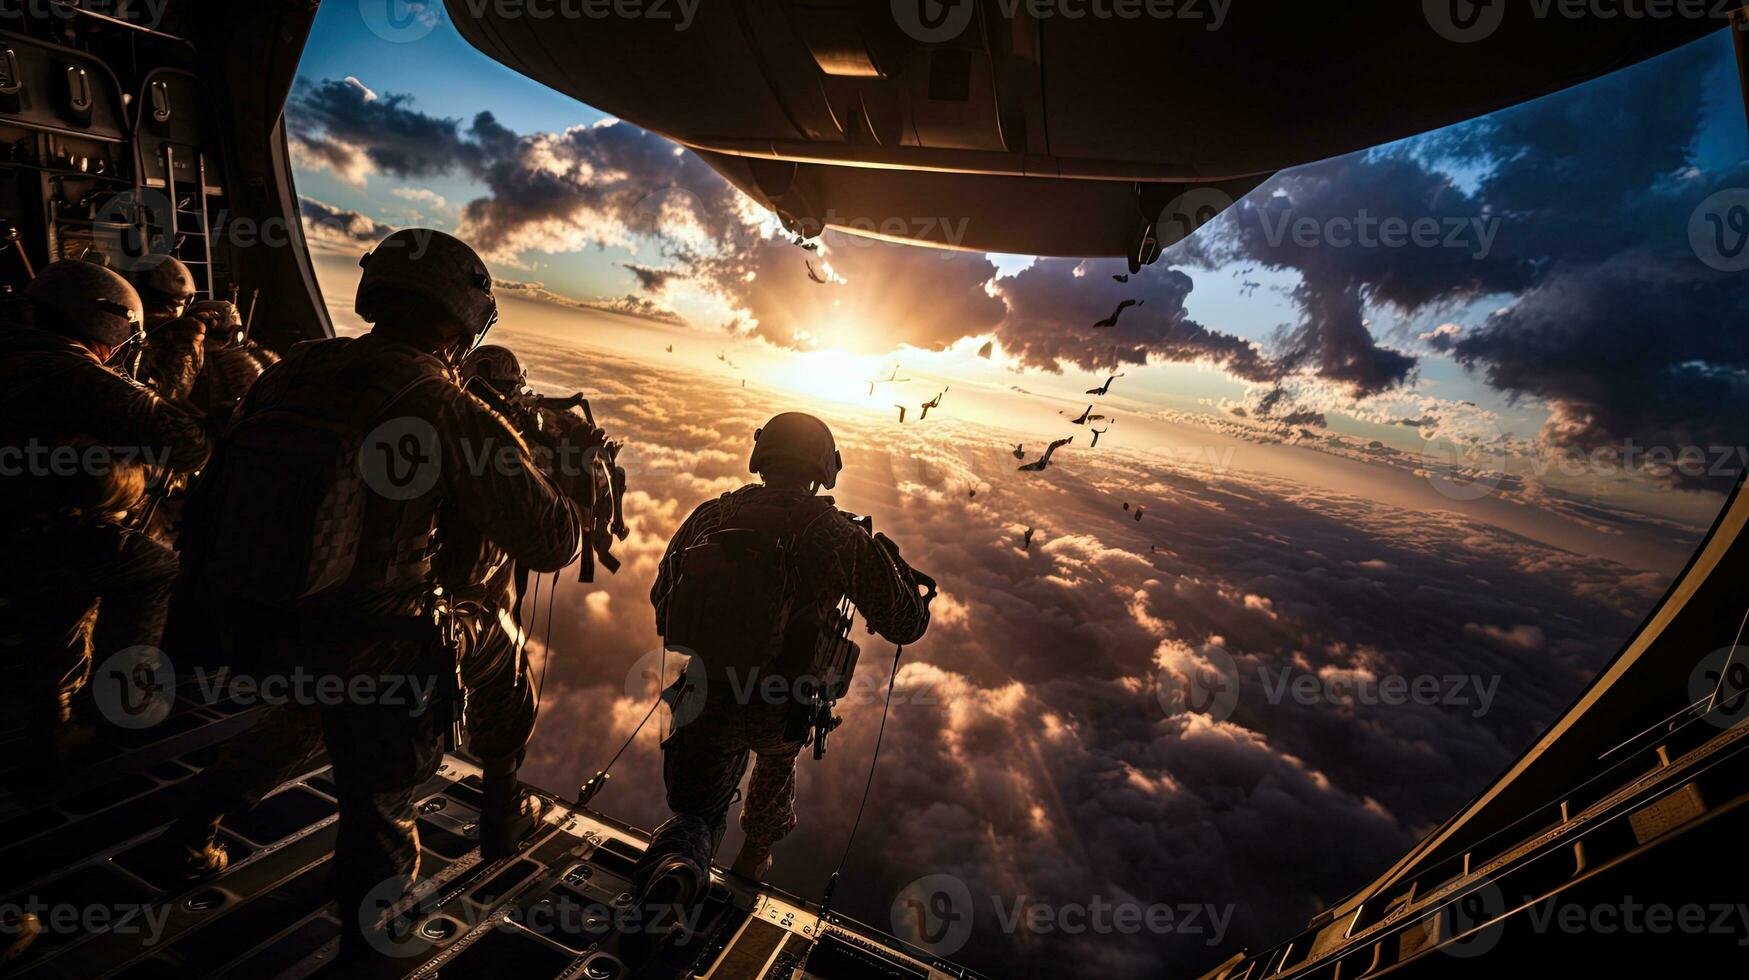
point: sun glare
(828, 375)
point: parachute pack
(290, 484)
(735, 602)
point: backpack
(280, 513)
(733, 601)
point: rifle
(537, 418)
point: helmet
(88, 300)
(430, 264)
(218, 314)
(496, 366)
(802, 439)
(163, 282)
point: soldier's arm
(126, 415)
(883, 589)
(492, 479)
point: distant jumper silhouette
(1111, 321)
(1105, 389)
(1086, 417)
(1045, 460)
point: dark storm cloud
(327, 224)
(334, 118)
(1028, 752)
(1053, 304)
(1627, 334)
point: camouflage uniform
(381, 753)
(74, 583)
(705, 759)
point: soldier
(315, 526)
(75, 580)
(174, 349)
(752, 620)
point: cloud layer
(1029, 753)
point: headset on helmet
(496, 366)
(801, 439)
(89, 300)
(438, 268)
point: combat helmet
(88, 301)
(164, 283)
(801, 439)
(496, 366)
(435, 269)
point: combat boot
(753, 862)
(507, 816)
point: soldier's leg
(500, 719)
(382, 753)
(702, 765)
(768, 813)
(133, 577)
(60, 574)
(286, 742)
